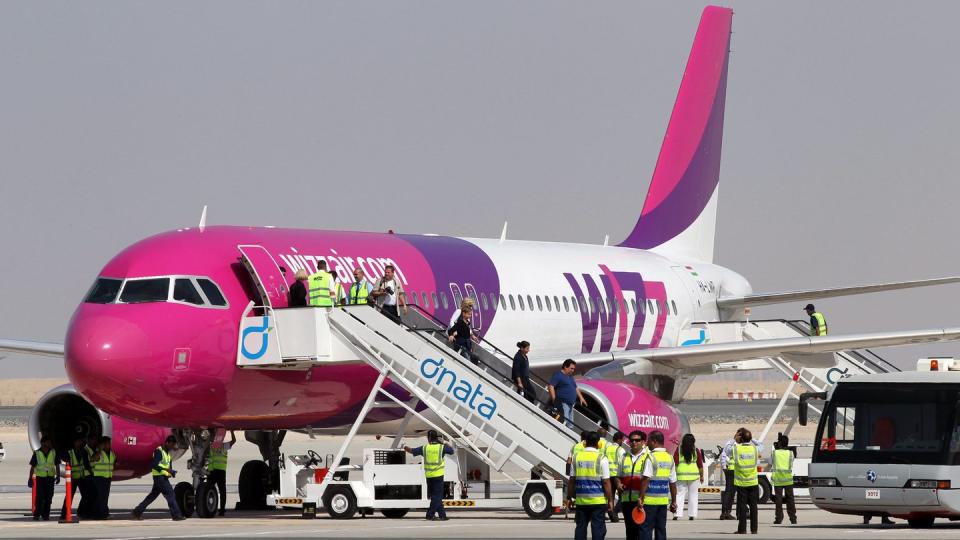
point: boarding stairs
(815, 379)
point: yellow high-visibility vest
(218, 459)
(358, 293)
(745, 465)
(587, 475)
(821, 329)
(319, 289)
(77, 470)
(103, 467)
(782, 468)
(164, 464)
(658, 486)
(46, 464)
(630, 474)
(615, 454)
(433, 462)
(688, 470)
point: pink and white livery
(154, 345)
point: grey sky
(122, 119)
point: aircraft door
(266, 275)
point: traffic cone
(68, 502)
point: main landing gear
(260, 477)
(201, 495)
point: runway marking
(293, 531)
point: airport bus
(889, 445)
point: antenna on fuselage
(203, 219)
(606, 240)
(503, 233)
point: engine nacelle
(63, 414)
(629, 407)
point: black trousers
(435, 492)
(591, 515)
(391, 311)
(161, 486)
(44, 497)
(88, 499)
(729, 493)
(781, 493)
(747, 500)
(81, 484)
(633, 530)
(220, 479)
(103, 497)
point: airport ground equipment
(887, 444)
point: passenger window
(633, 304)
(674, 304)
(614, 305)
(590, 303)
(520, 301)
(210, 289)
(483, 300)
(556, 302)
(104, 291)
(576, 303)
(424, 300)
(436, 304)
(530, 302)
(566, 306)
(512, 305)
(184, 291)
(138, 291)
(650, 307)
(443, 300)
(539, 304)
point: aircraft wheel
(183, 492)
(207, 500)
(253, 485)
(394, 513)
(766, 492)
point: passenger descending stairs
(459, 393)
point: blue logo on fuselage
(264, 340)
(462, 389)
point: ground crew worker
(689, 461)
(615, 453)
(360, 289)
(81, 477)
(589, 487)
(103, 463)
(433, 468)
(162, 472)
(631, 474)
(45, 464)
(580, 446)
(88, 508)
(745, 458)
(217, 468)
(658, 489)
(818, 324)
(783, 480)
(320, 286)
(726, 464)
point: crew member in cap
(818, 324)
(433, 465)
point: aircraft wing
(40, 348)
(800, 349)
(814, 294)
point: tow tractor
(386, 482)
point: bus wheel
(766, 492)
(921, 522)
(394, 513)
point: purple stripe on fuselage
(456, 264)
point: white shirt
(649, 471)
(389, 299)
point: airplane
(152, 349)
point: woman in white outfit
(689, 461)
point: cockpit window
(137, 291)
(184, 291)
(212, 291)
(104, 291)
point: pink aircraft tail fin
(680, 211)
